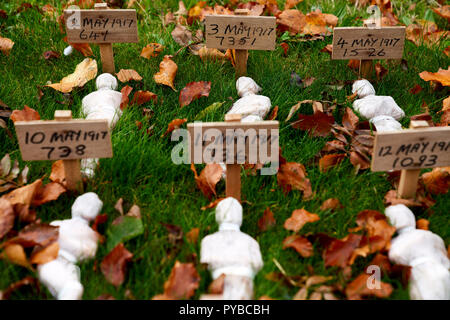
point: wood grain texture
(101, 26)
(240, 32)
(55, 140)
(412, 149)
(360, 43)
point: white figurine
(101, 104)
(370, 105)
(422, 250)
(77, 242)
(386, 124)
(232, 252)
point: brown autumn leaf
(48, 55)
(292, 176)
(84, 72)
(300, 244)
(443, 11)
(216, 286)
(332, 204)
(114, 265)
(330, 160)
(6, 217)
(254, 8)
(167, 72)
(273, 114)
(142, 97)
(380, 71)
(318, 125)
(174, 124)
(442, 76)
(299, 218)
(416, 89)
(193, 91)
(425, 32)
(26, 114)
(47, 193)
(446, 104)
(354, 64)
(125, 75)
(6, 45)
(27, 281)
(208, 178)
(125, 97)
(339, 251)
(318, 23)
(291, 3)
(83, 48)
(192, 235)
(45, 255)
(359, 288)
(327, 49)
(391, 198)
(376, 225)
(182, 283)
(437, 181)
(36, 234)
(15, 254)
(357, 160)
(211, 54)
(423, 224)
(58, 174)
(267, 220)
(152, 50)
(212, 204)
(291, 20)
(24, 195)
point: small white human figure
(422, 250)
(77, 242)
(232, 252)
(101, 104)
(370, 105)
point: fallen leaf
(208, 178)
(6, 45)
(416, 89)
(360, 287)
(183, 281)
(142, 97)
(122, 229)
(15, 254)
(174, 124)
(125, 97)
(380, 71)
(291, 3)
(36, 234)
(182, 35)
(339, 251)
(58, 174)
(331, 204)
(285, 47)
(26, 114)
(318, 125)
(85, 71)
(25, 194)
(391, 198)
(192, 235)
(300, 244)
(47, 254)
(350, 119)
(443, 11)
(291, 20)
(295, 108)
(216, 286)
(442, 76)
(48, 55)
(212, 204)
(318, 23)
(267, 220)
(330, 160)
(292, 176)
(134, 212)
(211, 54)
(125, 75)
(114, 265)
(423, 224)
(193, 91)
(167, 72)
(437, 181)
(47, 193)
(359, 161)
(299, 218)
(273, 114)
(152, 50)
(27, 281)
(376, 225)
(354, 64)
(6, 217)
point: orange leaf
(58, 174)
(354, 64)
(291, 20)
(125, 97)
(443, 11)
(300, 244)
(339, 252)
(125, 75)
(360, 287)
(267, 220)
(273, 114)
(183, 281)
(193, 91)
(359, 161)
(380, 71)
(292, 176)
(437, 181)
(416, 89)
(84, 48)
(209, 177)
(167, 72)
(211, 54)
(299, 218)
(114, 264)
(174, 124)
(332, 203)
(25, 194)
(26, 114)
(152, 50)
(422, 224)
(49, 192)
(142, 97)
(318, 125)
(46, 254)
(350, 119)
(291, 3)
(6, 217)
(192, 236)
(442, 76)
(330, 160)
(6, 45)
(212, 204)
(15, 254)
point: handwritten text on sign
(240, 32)
(368, 43)
(54, 140)
(412, 149)
(234, 143)
(101, 26)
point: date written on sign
(240, 32)
(412, 149)
(101, 26)
(368, 43)
(55, 140)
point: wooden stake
(233, 181)
(241, 55)
(106, 49)
(366, 69)
(409, 178)
(72, 168)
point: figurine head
(106, 81)
(401, 217)
(363, 88)
(246, 86)
(229, 211)
(87, 206)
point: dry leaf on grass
(193, 91)
(437, 181)
(212, 204)
(58, 174)
(6, 45)
(36, 234)
(167, 72)
(422, 224)
(125, 75)
(273, 114)
(152, 50)
(300, 244)
(7, 217)
(318, 125)
(125, 97)
(208, 178)
(339, 251)
(332, 204)
(267, 220)
(443, 11)
(299, 218)
(292, 176)
(114, 265)
(15, 253)
(47, 193)
(442, 76)
(330, 160)
(142, 97)
(359, 288)
(45, 255)
(85, 71)
(174, 124)
(182, 283)
(291, 20)
(291, 3)
(26, 114)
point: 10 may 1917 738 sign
(55, 140)
(240, 32)
(101, 26)
(360, 43)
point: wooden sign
(64, 139)
(411, 150)
(242, 33)
(103, 27)
(361, 43)
(234, 143)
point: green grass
(141, 171)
